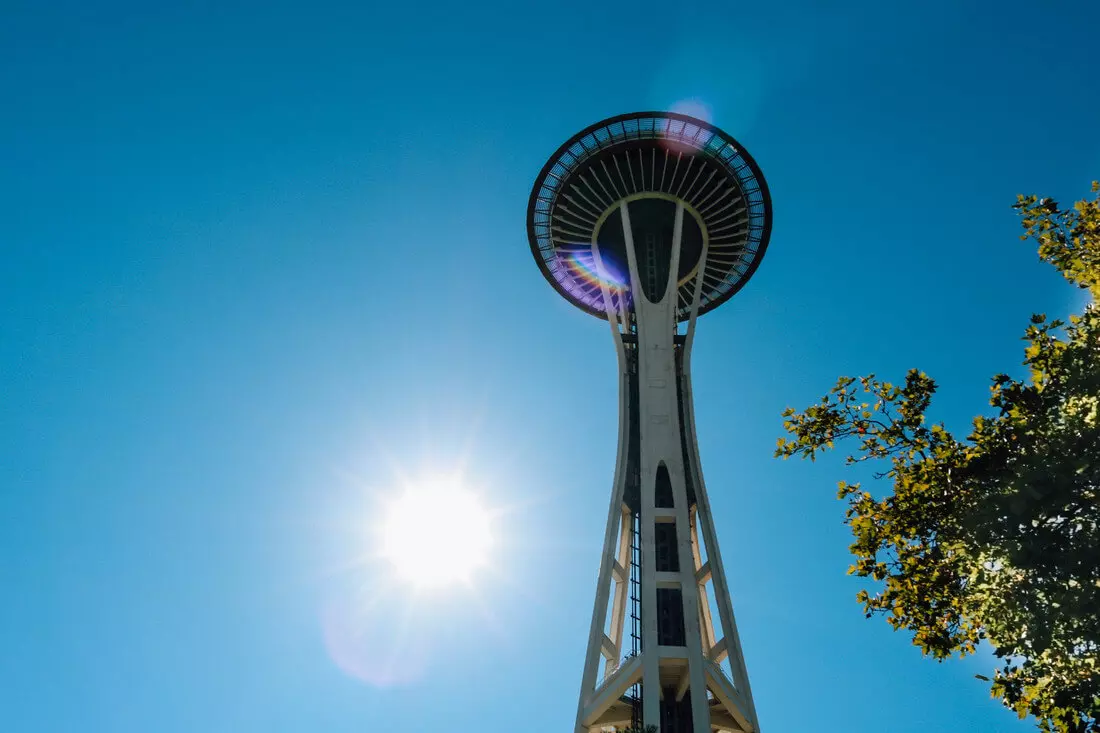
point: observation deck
(651, 161)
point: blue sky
(262, 260)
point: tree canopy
(994, 537)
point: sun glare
(436, 535)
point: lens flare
(694, 107)
(582, 266)
(375, 642)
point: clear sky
(263, 260)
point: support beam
(618, 714)
(668, 580)
(603, 582)
(730, 698)
(705, 620)
(607, 648)
(714, 556)
(654, 358)
(622, 581)
(684, 685)
(722, 720)
(719, 652)
(611, 690)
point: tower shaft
(656, 655)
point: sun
(436, 534)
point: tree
(995, 537)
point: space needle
(649, 220)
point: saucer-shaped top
(652, 161)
